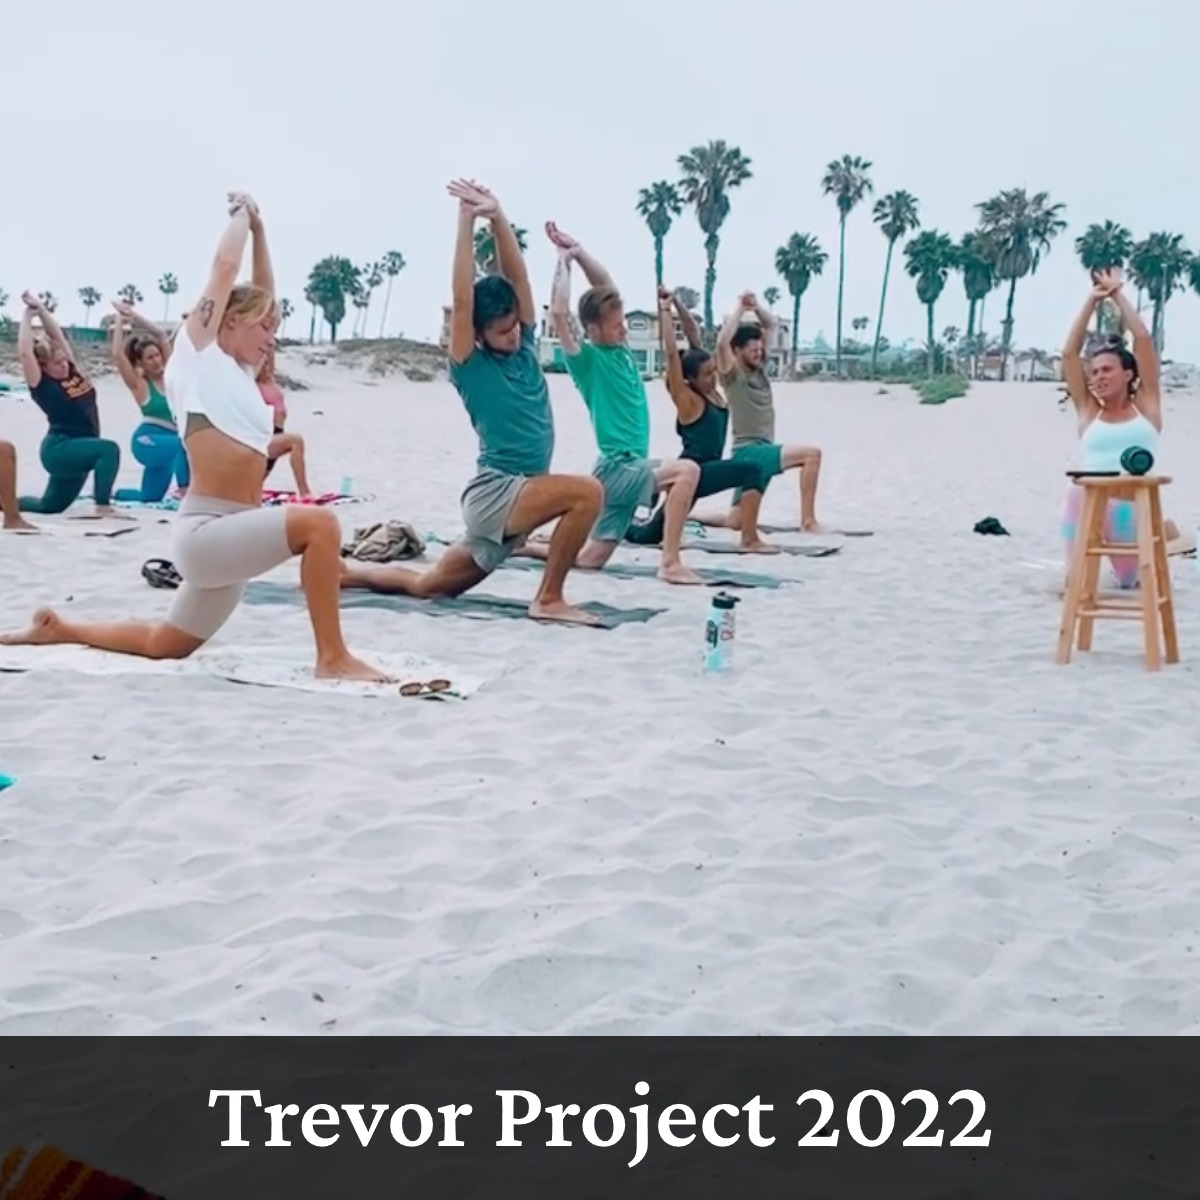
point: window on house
(638, 323)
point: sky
(128, 123)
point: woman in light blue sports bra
(1110, 422)
(156, 444)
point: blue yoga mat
(473, 605)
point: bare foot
(812, 527)
(533, 549)
(346, 666)
(19, 525)
(48, 629)
(561, 611)
(678, 573)
(758, 547)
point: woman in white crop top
(1118, 404)
(222, 535)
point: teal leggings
(68, 462)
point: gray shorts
(629, 484)
(217, 545)
(487, 502)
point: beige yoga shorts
(217, 546)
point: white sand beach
(898, 815)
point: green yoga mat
(832, 532)
(715, 547)
(474, 605)
(713, 578)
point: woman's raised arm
(204, 320)
(1073, 373)
(120, 357)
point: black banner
(737, 1118)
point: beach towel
(290, 668)
(473, 605)
(47, 1173)
(6, 781)
(385, 541)
(714, 547)
(712, 577)
(272, 499)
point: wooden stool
(1152, 603)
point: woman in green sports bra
(141, 361)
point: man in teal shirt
(607, 376)
(494, 367)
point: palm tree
(896, 214)
(771, 295)
(130, 294)
(1100, 248)
(168, 285)
(688, 297)
(285, 311)
(312, 297)
(1017, 229)
(329, 283)
(847, 181)
(392, 263)
(708, 174)
(658, 205)
(978, 275)
(929, 258)
(89, 297)
(486, 262)
(798, 261)
(49, 300)
(3, 297)
(370, 277)
(1161, 266)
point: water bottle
(719, 632)
(347, 485)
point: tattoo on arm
(206, 308)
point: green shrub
(941, 388)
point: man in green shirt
(741, 355)
(494, 367)
(607, 376)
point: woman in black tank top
(72, 448)
(702, 421)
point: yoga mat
(474, 605)
(44, 1172)
(72, 529)
(860, 533)
(712, 577)
(715, 547)
(280, 668)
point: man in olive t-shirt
(741, 361)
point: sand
(896, 816)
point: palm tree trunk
(887, 268)
(795, 329)
(1006, 332)
(312, 326)
(970, 345)
(387, 299)
(658, 262)
(365, 311)
(929, 337)
(841, 288)
(711, 244)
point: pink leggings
(1120, 525)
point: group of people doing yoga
(223, 537)
(73, 449)
(495, 367)
(1118, 404)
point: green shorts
(629, 484)
(766, 456)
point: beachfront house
(643, 340)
